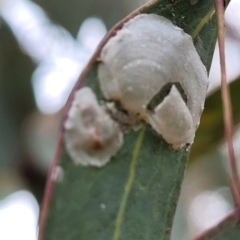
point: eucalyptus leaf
(228, 229)
(135, 195)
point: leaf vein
(129, 184)
(201, 24)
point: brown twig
(227, 108)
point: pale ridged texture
(145, 55)
(91, 136)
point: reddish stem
(234, 216)
(49, 187)
(227, 108)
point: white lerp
(91, 136)
(145, 55)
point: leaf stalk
(227, 108)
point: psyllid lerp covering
(147, 54)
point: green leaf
(127, 195)
(227, 229)
(230, 234)
(135, 195)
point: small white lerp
(91, 136)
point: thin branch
(227, 108)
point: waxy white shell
(91, 136)
(146, 54)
